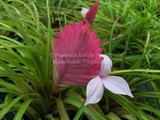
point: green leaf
(148, 108)
(79, 113)
(148, 94)
(128, 105)
(10, 86)
(121, 112)
(134, 70)
(6, 109)
(27, 40)
(22, 109)
(112, 116)
(47, 62)
(61, 108)
(76, 100)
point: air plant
(76, 56)
(63, 77)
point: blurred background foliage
(129, 30)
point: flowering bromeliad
(77, 59)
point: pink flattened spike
(76, 62)
(91, 14)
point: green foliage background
(129, 30)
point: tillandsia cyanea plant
(76, 56)
(46, 78)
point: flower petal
(95, 90)
(106, 66)
(117, 85)
(84, 11)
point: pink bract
(91, 14)
(76, 54)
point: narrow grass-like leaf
(10, 86)
(15, 20)
(113, 116)
(22, 109)
(110, 39)
(77, 101)
(79, 113)
(135, 70)
(129, 106)
(9, 106)
(47, 67)
(62, 110)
